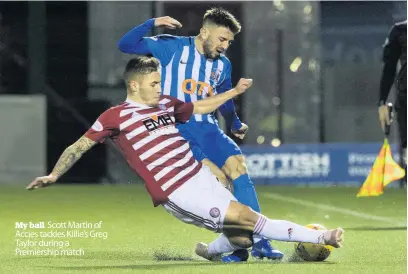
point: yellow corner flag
(384, 171)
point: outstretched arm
(67, 159)
(210, 104)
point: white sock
(287, 231)
(257, 238)
(221, 245)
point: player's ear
(204, 32)
(134, 86)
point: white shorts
(202, 201)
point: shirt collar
(133, 103)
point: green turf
(144, 239)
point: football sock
(244, 191)
(256, 238)
(221, 245)
(287, 231)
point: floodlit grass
(144, 239)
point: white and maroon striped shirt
(150, 142)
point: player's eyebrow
(222, 37)
(156, 82)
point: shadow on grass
(166, 255)
(152, 266)
(155, 266)
(180, 262)
(92, 255)
(160, 259)
(369, 228)
(295, 259)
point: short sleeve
(104, 127)
(182, 110)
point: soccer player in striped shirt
(194, 68)
(143, 128)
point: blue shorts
(209, 141)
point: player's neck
(135, 99)
(199, 44)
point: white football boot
(202, 251)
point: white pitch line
(344, 211)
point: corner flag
(384, 171)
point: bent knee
(240, 164)
(242, 168)
(235, 166)
(239, 217)
(247, 217)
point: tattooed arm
(70, 155)
(67, 159)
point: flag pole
(387, 131)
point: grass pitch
(143, 239)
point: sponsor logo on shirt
(191, 86)
(156, 122)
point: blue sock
(244, 191)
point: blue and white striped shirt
(186, 74)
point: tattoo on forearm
(71, 155)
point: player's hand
(240, 133)
(43, 181)
(243, 85)
(167, 22)
(384, 116)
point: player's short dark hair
(222, 17)
(140, 65)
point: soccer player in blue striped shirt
(193, 68)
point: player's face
(218, 40)
(150, 89)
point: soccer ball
(313, 252)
